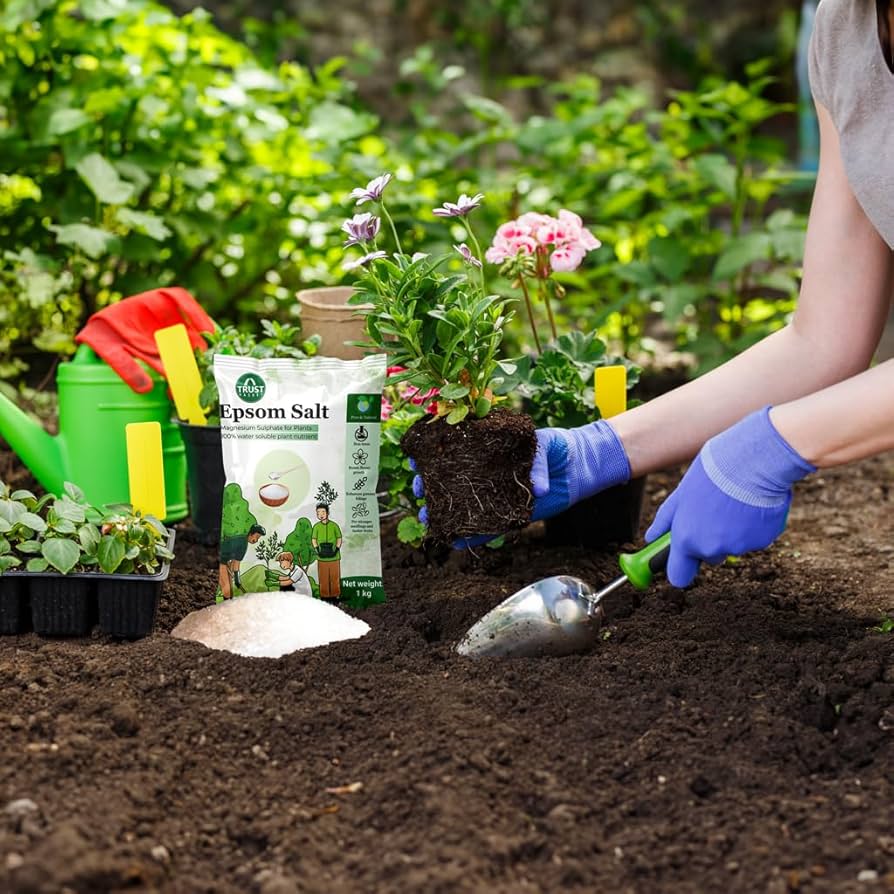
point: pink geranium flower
(563, 240)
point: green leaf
(93, 241)
(719, 172)
(457, 414)
(29, 547)
(62, 554)
(103, 179)
(89, 537)
(410, 530)
(7, 562)
(37, 564)
(482, 407)
(73, 491)
(5, 526)
(30, 520)
(64, 121)
(669, 257)
(148, 224)
(454, 391)
(68, 509)
(741, 253)
(331, 122)
(22, 495)
(110, 553)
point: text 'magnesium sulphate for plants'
(301, 456)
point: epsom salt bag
(301, 456)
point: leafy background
(140, 148)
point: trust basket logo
(250, 387)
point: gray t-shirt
(849, 76)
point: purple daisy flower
(361, 228)
(373, 191)
(467, 255)
(464, 204)
(361, 262)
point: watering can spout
(39, 451)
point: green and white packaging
(301, 456)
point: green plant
(236, 515)
(300, 543)
(886, 626)
(558, 385)
(151, 150)
(278, 340)
(326, 494)
(442, 329)
(67, 534)
(268, 548)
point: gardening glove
(123, 333)
(570, 464)
(733, 499)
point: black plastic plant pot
(611, 516)
(14, 616)
(61, 605)
(205, 478)
(128, 603)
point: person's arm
(843, 305)
(849, 421)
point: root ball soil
(736, 737)
(477, 474)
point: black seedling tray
(70, 604)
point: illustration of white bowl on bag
(273, 494)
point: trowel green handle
(640, 567)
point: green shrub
(150, 150)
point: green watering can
(95, 405)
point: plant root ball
(477, 474)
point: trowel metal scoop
(558, 615)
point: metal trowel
(558, 615)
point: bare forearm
(849, 421)
(783, 367)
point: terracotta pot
(326, 312)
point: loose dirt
(737, 737)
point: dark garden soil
(737, 737)
(489, 458)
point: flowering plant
(535, 246)
(441, 326)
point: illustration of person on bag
(292, 578)
(326, 540)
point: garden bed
(738, 737)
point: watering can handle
(640, 567)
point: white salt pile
(269, 625)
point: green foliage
(326, 493)
(410, 530)
(67, 534)
(152, 150)
(300, 543)
(236, 517)
(278, 340)
(268, 548)
(394, 466)
(557, 386)
(440, 328)
(886, 626)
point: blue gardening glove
(733, 499)
(569, 465)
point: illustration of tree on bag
(238, 528)
(326, 540)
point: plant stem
(527, 294)
(478, 255)
(388, 217)
(545, 292)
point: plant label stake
(181, 371)
(558, 615)
(610, 384)
(145, 468)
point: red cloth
(123, 333)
